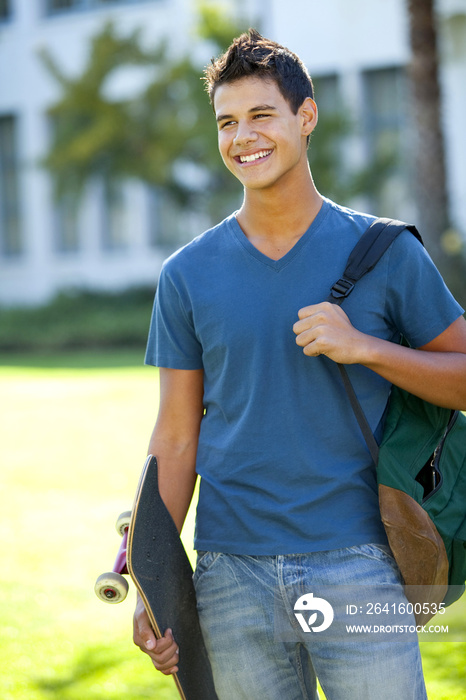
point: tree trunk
(431, 189)
(431, 182)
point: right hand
(164, 652)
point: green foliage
(148, 136)
(93, 135)
(216, 25)
(79, 320)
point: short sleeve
(172, 340)
(419, 304)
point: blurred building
(356, 50)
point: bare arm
(175, 437)
(174, 442)
(435, 372)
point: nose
(245, 134)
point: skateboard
(152, 553)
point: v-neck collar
(282, 262)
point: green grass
(74, 431)
(73, 442)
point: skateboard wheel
(111, 587)
(122, 524)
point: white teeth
(254, 156)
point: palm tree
(431, 181)
(431, 189)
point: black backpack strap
(367, 252)
(364, 256)
(363, 423)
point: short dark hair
(252, 55)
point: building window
(5, 9)
(66, 225)
(114, 234)
(386, 125)
(331, 129)
(153, 214)
(65, 208)
(327, 94)
(168, 224)
(384, 117)
(56, 6)
(326, 152)
(10, 234)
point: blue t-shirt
(283, 465)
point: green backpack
(421, 463)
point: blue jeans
(240, 599)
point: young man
(288, 497)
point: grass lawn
(73, 437)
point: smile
(253, 157)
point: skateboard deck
(162, 573)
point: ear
(309, 116)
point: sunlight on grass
(73, 441)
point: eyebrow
(259, 108)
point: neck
(274, 220)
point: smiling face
(260, 140)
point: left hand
(163, 652)
(325, 329)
